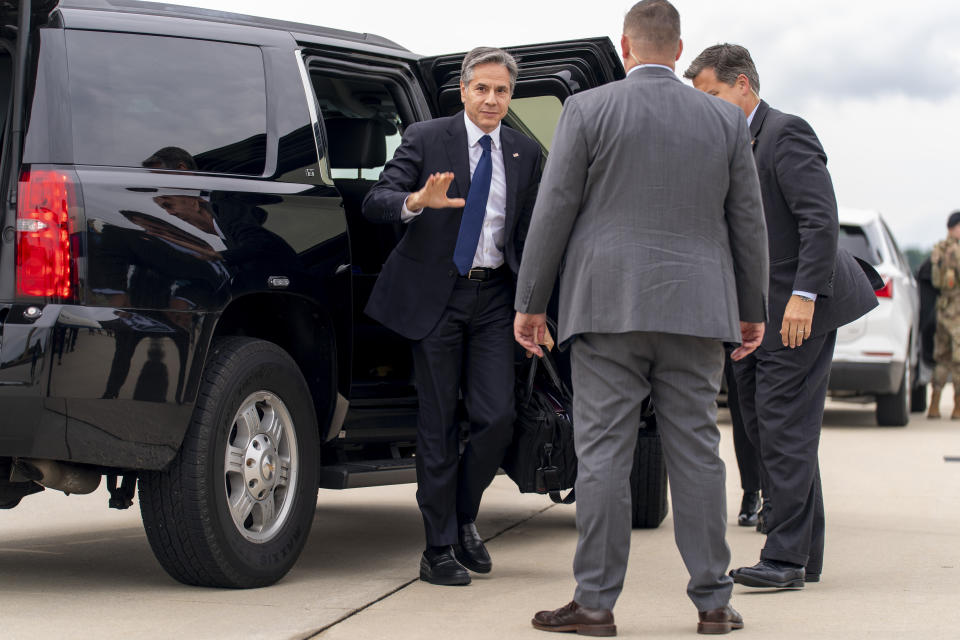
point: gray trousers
(612, 374)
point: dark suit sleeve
(801, 171)
(400, 177)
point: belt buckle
(481, 274)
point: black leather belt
(482, 274)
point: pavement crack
(321, 630)
(520, 522)
(347, 616)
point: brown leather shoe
(573, 617)
(722, 620)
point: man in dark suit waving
(814, 289)
(465, 187)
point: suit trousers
(782, 395)
(748, 458)
(612, 374)
(471, 349)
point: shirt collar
(641, 66)
(474, 133)
(753, 113)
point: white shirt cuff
(406, 215)
(805, 294)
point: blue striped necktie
(474, 210)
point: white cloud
(885, 155)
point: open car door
(548, 74)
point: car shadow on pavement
(850, 415)
(856, 415)
(362, 538)
(96, 560)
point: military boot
(934, 410)
(956, 406)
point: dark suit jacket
(418, 276)
(801, 212)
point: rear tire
(918, 399)
(234, 507)
(893, 409)
(648, 480)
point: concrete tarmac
(69, 567)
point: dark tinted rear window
(132, 95)
(854, 239)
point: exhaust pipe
(62, 476)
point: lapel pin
(516, 155)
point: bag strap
(531, 378)
(551, 370)
(555, 496)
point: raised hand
(434, 194)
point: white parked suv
(876, 357)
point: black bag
(541, 458)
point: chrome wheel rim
(260, 466)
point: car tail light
(886, 291)
(45, 264)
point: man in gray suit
(650, 209)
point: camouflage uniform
(945, 275)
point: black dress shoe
(470, 551)
(722, 620)
(438, 566)
(770, 574)
(749, 509)
(573, 617)
(811, 577)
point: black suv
(184, 265)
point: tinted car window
(134, 94)
(538, 116)
(854, 239)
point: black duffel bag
(541, 458)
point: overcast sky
(879, 80)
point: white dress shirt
(490, 247)
(650, 64)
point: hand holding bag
(541, 458)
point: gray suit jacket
(650, 209)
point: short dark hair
(488, 55)
(171, 158)
(953, 220)
(656, 22)
(728, 61)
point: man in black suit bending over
(465, 187)
(814, 289)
